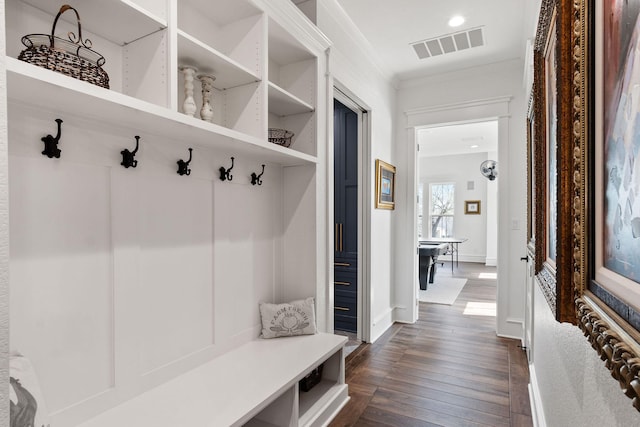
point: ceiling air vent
(449, 43)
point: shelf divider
(228, 73)
(284, 103)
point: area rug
(444, 290)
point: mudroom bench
(255, 384)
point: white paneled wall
(62, 274)
(121, 273)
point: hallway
(448, 369)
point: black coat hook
(183, 167)
(255, 179)
(226, 173)
(128, 157)
(51, 149)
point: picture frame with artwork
(544, 106)
(606, 243)
(472, 207)
(385, 185)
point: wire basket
(280, 136)
(73, 57)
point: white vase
(189, 106)
(206, 111)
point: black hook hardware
(51, 149)
(226, 173)
(183, 167)
(128, 157)
(255, 179)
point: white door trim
(465, 112)
(346, 97)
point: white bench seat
(253, 384)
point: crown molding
(342, 19)
(287, 14)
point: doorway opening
(457, 206)
(350, 286)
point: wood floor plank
(471, 379)
(438, 418)
(429, 392)
(447, 369)
(458, 386)
(374, 417)
(440, 406)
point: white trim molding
(466, 112)
(381, 323)
(460, 105)
(537, 410)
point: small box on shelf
(312, 379)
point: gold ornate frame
(384, 168)
(554, 280)
(567, 287)
(615, 340)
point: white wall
(466, 86)
(4, 236)
(572, 387)
(459, 169)
(352, 67)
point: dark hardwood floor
(447, 369)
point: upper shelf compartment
(228, 73)
(225, 29)
(119, 21)
(283, 103)
(292, 67)
(132, 39)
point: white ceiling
(458, 139)
(391, 26)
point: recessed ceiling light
(456, 21)
(475, 146)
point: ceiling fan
(488, 169)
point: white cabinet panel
(176, 220)
(61, 276)
(244, 254)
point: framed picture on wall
(551, 147)
(551, 120)
(385, 185)
(616, 204)
(606, 250)
(472, 207)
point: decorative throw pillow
(27, 406)
(285, 320)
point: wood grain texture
(447, 369)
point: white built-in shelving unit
(131, 259)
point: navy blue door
(346, 217)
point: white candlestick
(189, 106)
(206, 112)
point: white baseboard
(510, 328)
(491, 262)
(381, 323)
(403, 315)
(464, 258)
(537, 411)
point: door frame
(474, 111)
(347, 98)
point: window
(441, 209)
